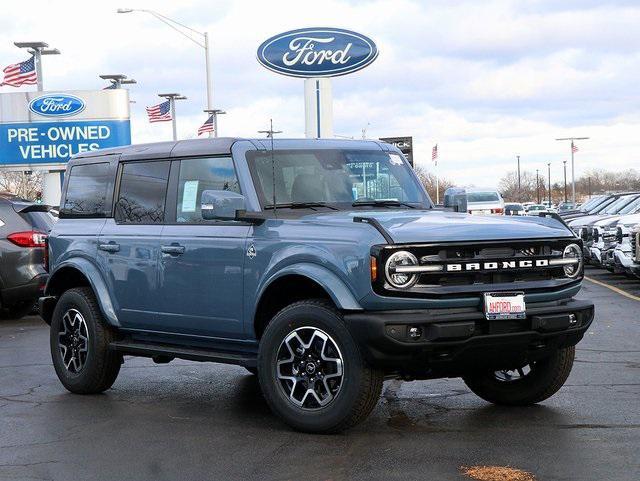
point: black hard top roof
(216, 146)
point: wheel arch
(75, 273)
(295, 283)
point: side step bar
(172, 351)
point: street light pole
(518, 174)
(549, 169)
(538, 184)
(38, 49)
(573, 171)
(564, 165)
(204, 44)
(172, 106)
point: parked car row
(608, 226)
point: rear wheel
(524, 385)
(311, 371)
(79, 339)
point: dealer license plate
(504, 305)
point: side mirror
(220, 204)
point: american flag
(160, 112)
(574, 148)
(23, 73)
(207, 126)
(434, 153)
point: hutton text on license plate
(504, 305)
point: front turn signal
(373, 268)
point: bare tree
(25, 185)
(527, 192)
(428, 180)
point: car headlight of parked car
(398, 269)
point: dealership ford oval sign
(317, 52)
(56, 105)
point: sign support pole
(318, 108)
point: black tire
(359, 385)
(543, 380)
(17, 311)
(101, 365)
(252, 370)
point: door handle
(173, 249)
(110, 247)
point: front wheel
(311, 371)
(524, 385)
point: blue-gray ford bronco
(321, 266)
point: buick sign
(317, 52)
(56, 105)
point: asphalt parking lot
(192, 421)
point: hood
(418, 226)
(629, 219)
(588, 220)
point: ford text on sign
(56, 105)
(317, 52)
(55, 142)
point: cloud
(485, 80)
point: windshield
(601, 206)
(537, 207)
(591, 203)
(483, 197)
(617, 205)
(339, 178)
(631, 207)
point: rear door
(201, 261)
(129, 244)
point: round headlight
(393, 269)
(572, 251)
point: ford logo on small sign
(56, 105)
(317, 52)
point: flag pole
(437, 184)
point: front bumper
(454, 341)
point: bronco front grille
(457, 268)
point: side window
(143, 191)
(198, 175)
(89, 191)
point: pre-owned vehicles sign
(48, 128)
(317, 52)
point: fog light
(415, 332)
(573, 320)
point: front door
(201, 262)
(129, 244)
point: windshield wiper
(300, 205)
(388, 203)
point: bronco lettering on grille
(496, 265)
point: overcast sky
(485, 80)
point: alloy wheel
(73, 341)
(512, 375)
(310, 368)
